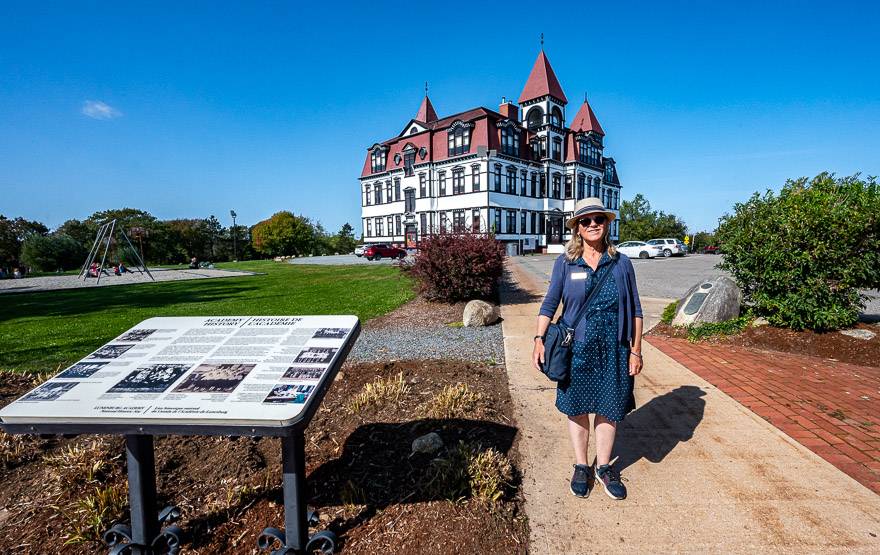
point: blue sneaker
(581, 480)
(610, 480)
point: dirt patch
(368, 487)
(829, 345)
(419, 313)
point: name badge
(578, 275)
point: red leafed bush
(452, 268)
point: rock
(427, 444)
(716, 299)
(758, 322)
(480, 313)
(859, 334)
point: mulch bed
(829, 345)
(368, 489)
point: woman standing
(606, 354)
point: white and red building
(488, 171)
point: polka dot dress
(600, 382)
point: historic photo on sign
(331, 333)
(215, 378)
(82, 370)
(292, 393)
(49, 391)
(110, 351)
(137, 335)
(154, 378)
(316, 355)
(303, 373)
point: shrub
(801, 256)
(469, 471)
(454, 401)
(452, 268)
(378, 392)
(669, 312)
(48, 253)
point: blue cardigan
(562, 287)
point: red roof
(542, 81)
(585, 120)
(426, 111)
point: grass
(669, 312)
(378, 392)
(469, 471)
(454, 401)
(698, 332)
(44, 330)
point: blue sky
(189, 109)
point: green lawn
(42, 331)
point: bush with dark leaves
(459, 267)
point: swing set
(105, 240)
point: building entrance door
(554, 230)
(411, 237)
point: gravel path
(435, 342)
(50, 283)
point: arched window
(510, 140)
(556, 117)
(459, 138)
(535, 117)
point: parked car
(359, 250)
(670, 246)
(711, 249)
(381, 250)
(639, 249)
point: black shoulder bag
(560, 336)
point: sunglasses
(587, 220)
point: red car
(381, 250)
(711, 249)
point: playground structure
(105, 238)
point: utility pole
(234, 233)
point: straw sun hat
(589, 205)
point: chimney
(508, 109)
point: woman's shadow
(653, 430)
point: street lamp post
(234, 245)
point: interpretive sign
(232, 370)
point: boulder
(427, 444)
(480, 313)
(760, 322)
(712, 300)
(867, 335)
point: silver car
(639, 249)
(669, 246)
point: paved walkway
(51, 283)
(831, 408)
(704, 472)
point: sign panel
(240, 370)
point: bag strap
(593, 292)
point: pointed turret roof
(585, 120)
(426, 111)
(542, 81)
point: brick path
(829, 407)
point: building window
(535, 118)
(597, 185)
(534, 184)
(379, 231)
(568, 193)
(542, 224)
(539, 148)
(442, 222)
(475, 177)
(534, 222)
(589, 153)
(441, 178)
(398, 229)
(498, 177)
(543, 185)
(522, 221)
(582, 152)
(511, 221)
(557, 189)
(557, 148)
(459, 140)
(580, 189)
(475, 220)
(458, 182)
(423, 186)
(377, 192)
(396, 188)
(409, 160)
(522, 183)
(556, 117)
(458, 221)
(608, 171)
(390, 221)
(377, 160)
(409, 201)
(511, 180)
(388, 191)
(424, 223)
(496, 226)
(368, 197)
(369, 232)
(510, 141)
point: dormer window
(510, 140)
(557, 148)
(409, 160)
(414, 130)
(459, 134)
(377, 160)
(539, 148)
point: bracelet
(541, 337)
(637, 354)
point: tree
(345, 241)
(12, 235)
(639, 223)
(801, 257)
(283, 234)
(49, 253)
(81, 232)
